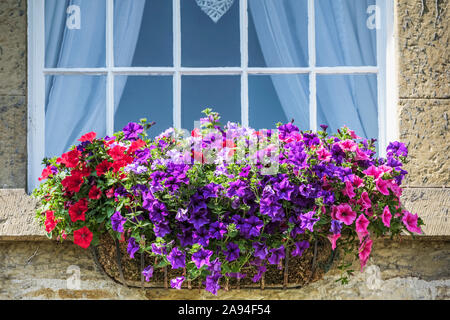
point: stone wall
(419, 269)
(411, 269)
(13, 91)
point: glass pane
(349, 100)
(346, 32)
(139, 97)
(143, 33)
(278, 98)
(278, 33)
(220, 93)
(75, 33)
(206, 43)
(75, 105)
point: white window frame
(385, 71)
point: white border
(386, 73)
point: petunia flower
(410, 221)
(82, 237)
(345, 214)
(386, 217)
(148, 273)
(176, 283)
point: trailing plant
(223, 197)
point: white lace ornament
(215, 9)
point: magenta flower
(382, 186)
(364, 252)
(348, 145)
(365, 202)
(361, 224)
(345, 214)
(333, 239)
(323, 154)
(386, 217)
(410, 221)
(374, 172)
(348, 191)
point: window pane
(278, 33)
(278, 98)
(220, 93)
(206, 43)
(345, 32)
(75, 105)
(75, 33)
(143, 33)
(349, 100)
(139, 97)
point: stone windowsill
(17, 211)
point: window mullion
(243, 21)
(109, 67)
(176, 63)
(312, 66)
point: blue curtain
(77, 104)
(342, 39)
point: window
(99, 64)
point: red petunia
(88, 137)
(95, 193)
(103, 167)
(73, 182)
(70, 159)
(83, 172)
(50, 221)
(117, 152)
(109, 193)
(82, 237)
(78, 210)
(136, 145)
(125, 160)
(45, 173)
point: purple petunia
(148, 273)
(232, 252)
(300, 247)
(177, 258)
(177, 282)
(260, 250)
(201, 258)
(133, 246)
(117, 222)
(131, 131)
(277, 255)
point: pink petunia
(361, 155)
(374, 172)
(348, 191)
(361, 224)
(382, 186)
(333, 239)
(358, 182)
(410, 221)
(323, 154)
(365, 202)
(364, 252)
(345, 214)
(386, 217)
(348, 145)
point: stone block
(13, 141)
(423, 37)
(13, 47)
(424, 128)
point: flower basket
(294, 272)
(224, 207)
